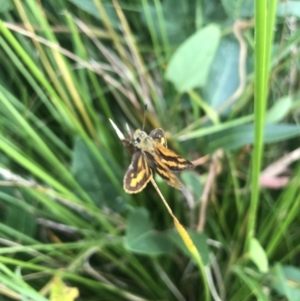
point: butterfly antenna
(144, 121)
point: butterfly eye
(138, 140)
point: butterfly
(150, 154)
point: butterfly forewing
(138, 173)
(173, 161)
(159, 136)
(129, 146)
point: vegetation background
(217, 80)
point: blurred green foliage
(212, 79)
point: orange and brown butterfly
(150, 154)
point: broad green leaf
(91, 176)
(190, 64)
(242, 135)
(199, 240)
(214, 11)
(176, 14)
(279, 110)
(174, 25)
(223, 77)
(142, 238)
(288, 8)
(6, 5)
(239, 8)
(258, 255)
(285, 281)
(192, 181)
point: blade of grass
(262, 61)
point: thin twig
(213, 168)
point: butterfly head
(138, 137)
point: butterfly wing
(159, 136)
(162, 170)
(138, 174)
(129, 146)
(173, 161)
(164, 161)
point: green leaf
(286, 281)
(223, 78)
(93, 179)
(242, 135)
(239, 8)
(5, 6)
(177, 19)
(199, 240)
(258, 255)
(142, 238)
(288, 8)
(175, 15)
(192, 181)
(279, 110)
(190, 64)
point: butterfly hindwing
(138, 173)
